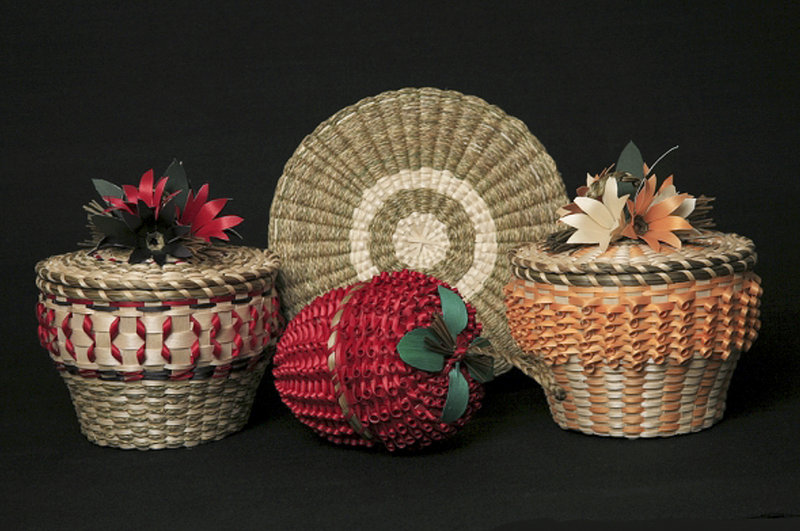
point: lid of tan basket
(425, 179)
(106, 275)
(631, 262)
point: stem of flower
(667, 152)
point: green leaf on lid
(177, 182)
(413, 350)
(454, 311)
(106, 189)
(630, 161)
(457, 396)
(115, 229)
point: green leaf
(480, 343)
(412, 350)
(630, 161)
(177, 182)
(115, 229)
(454, 311)
(457, 396)
(105, 188)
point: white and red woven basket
(643, 343)
(159, 356)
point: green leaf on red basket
(413, 350)
(457, 396)
(631, 161)
(454, 311)
(106, 189)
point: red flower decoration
(149, 218)
(200, 214)
(151, 196)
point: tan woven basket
(159, 357)
(644, 344)
(424, 179)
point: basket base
(153, 414)
(657, 401)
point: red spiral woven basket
(338, 369)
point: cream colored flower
(599, 222)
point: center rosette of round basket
(384, 361)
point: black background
(109, 91)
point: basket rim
(709, 255)
(228, 270)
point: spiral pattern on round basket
(159, 357)
(643, 343)
(338, 370)
(424, 179)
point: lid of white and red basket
(155, 240)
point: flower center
(640, 226)
(420, 241)
(155, 241)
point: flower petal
(146, 188)
(576, 220)
(216, 227)
(193, 205)
(669, 223)
(208, 211)
(686, 208)
(159, 192)
(119, 204)
(596, 210)
(591, 235)
(645, 196)
(652, 241)
(664, 208)
(613, 203)
(666, 237)
(131, 193)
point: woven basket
(644, 344)
(424, 179)
(159, 357)
(338, 370)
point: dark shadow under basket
(160, 357)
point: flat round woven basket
(159, 356)
(424, 179)
(643, 343)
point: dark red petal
(208, 211)
(158, 193)
(131, 193)
(193, 205)
(216, 228)
(146, 188)
(119, 204)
